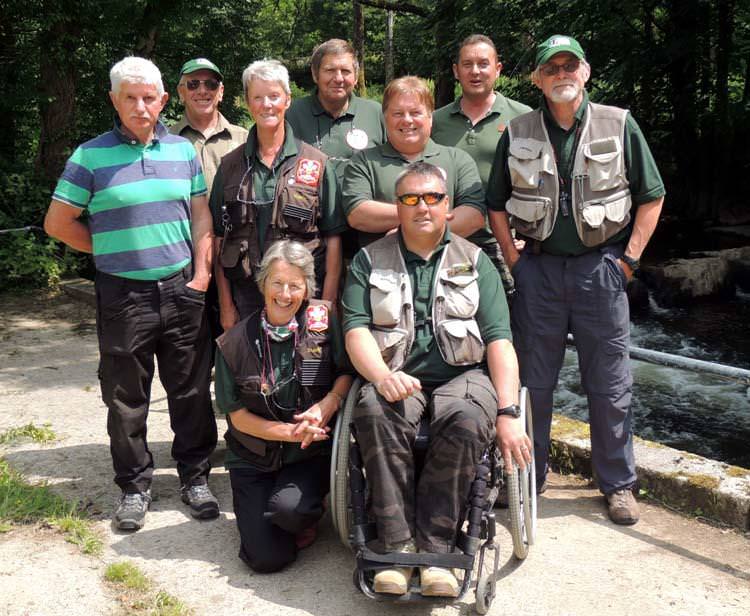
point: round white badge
(357, 139)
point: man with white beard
(578, 182)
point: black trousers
(272, 507)
(137, 320)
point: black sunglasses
(552, 69)
(211, 84)
(412, 199)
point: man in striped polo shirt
(149, 229)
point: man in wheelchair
(426, 325)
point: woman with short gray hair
(281, 376)
(271, 188)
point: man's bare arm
(373, 217)
(646, 219)
(61, 222)
(334, 261)
(465, 220)
(203, 239)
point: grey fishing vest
(455, 300)
(600, 191)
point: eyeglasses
(412, 199)
(211, 84)
(549, 70)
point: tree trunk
(57, 87)
(445, 33)
(9, 76)
(389, 47)
(359, 45)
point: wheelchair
(476, 537)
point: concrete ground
(581, 563)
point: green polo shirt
(212, 145)
(425, 361)
(313, 124)
(282, 359)
(371, 176)
(640, 167)
(332, 221)
(450, 126)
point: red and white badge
(317, 318)
(308, 171)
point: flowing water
(702, 414)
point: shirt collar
(318, 109)
(289, 147)
(411, 257)
(124, 135)
(498, 106)
(580, 112)
(221, 125)
(430, 149)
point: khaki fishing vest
(600, 198)
(242, 350)
(296, 208)
(455, 300)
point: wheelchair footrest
(369, 560)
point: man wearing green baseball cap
(201, 89)
(578, 182)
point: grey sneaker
(622, 507)
(130, 510)
(199, 498)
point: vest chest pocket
(530, 215)
(460, 342)
(298, 208)
(528, 161)
(604, 163)
(460, 292)
(386, 300)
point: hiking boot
(438, 582)
(622, 507)
(130, 510)
(395, 581)
(199, 498)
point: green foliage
(128, 575)
(24, 503)
(141, 598)
(43, 434)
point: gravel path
(581, 564)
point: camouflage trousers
(496, 256)
(461, 416)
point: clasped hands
(312, 425)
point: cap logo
(558, 41)
(202, 61)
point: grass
(139, 596)
(43, 435)
(25, 503)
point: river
(702, 414)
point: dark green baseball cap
(558, 43)
(200, 64)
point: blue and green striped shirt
(138, 198)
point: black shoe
(130, 512)
(199, 498)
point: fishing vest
(455, 300)
(296, 208)
(600, 194)
(242, 348)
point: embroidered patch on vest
(317, 318)
(461, 268)
(308, 171)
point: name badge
(356, 138)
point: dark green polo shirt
(282, 358)
(640, 167)
(313, 124)
(332, 221)
(371, 175)
(425, 361)
(450, 126)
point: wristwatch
(513, 411)
(632, 263)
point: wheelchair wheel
(483, 595)
(522, 493)
(339, 497)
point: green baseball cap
(558, 43)
(200, 64)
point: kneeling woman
(276, 383)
